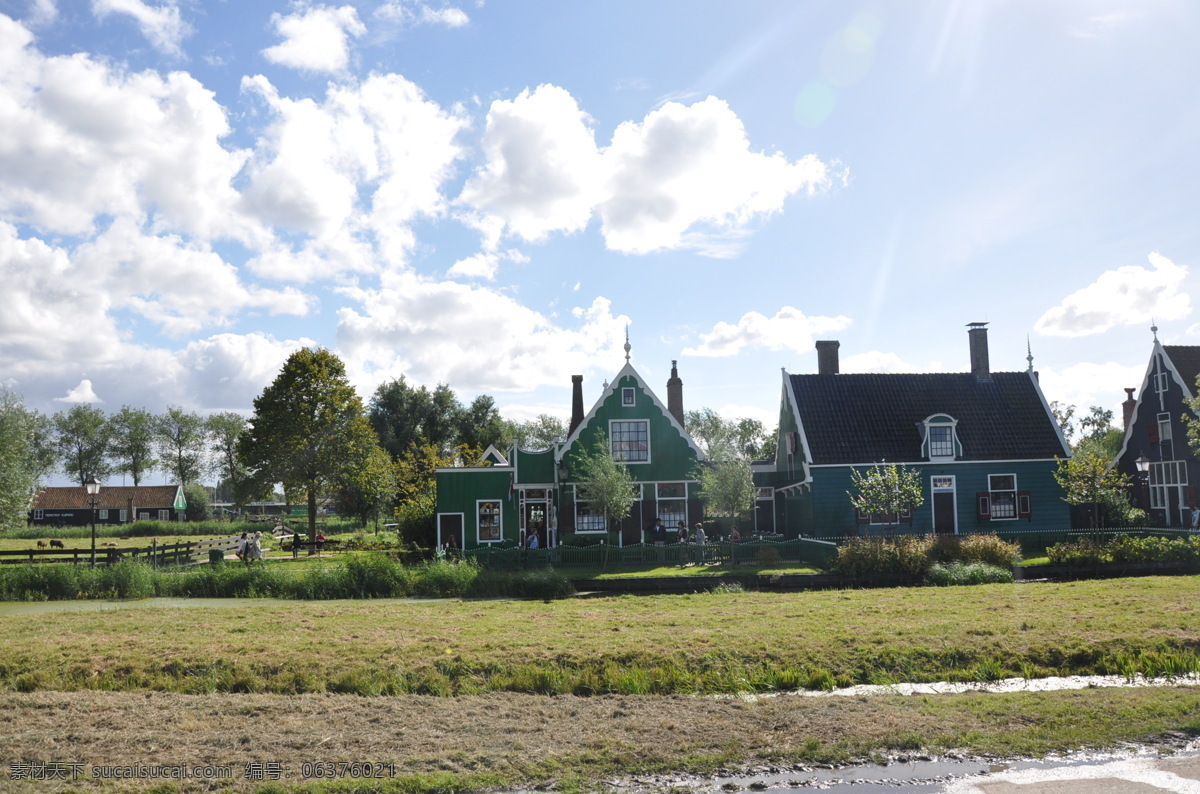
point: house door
(944, 511)
(535, 522)
(450, 526)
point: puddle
(1133, 769)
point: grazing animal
(114, 545)
(57, 544)
(41, 544)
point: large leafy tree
(405, 416)
(480, 424)
(224, 430)
(726, 486)
(83, 437)
(543, 432)
(182, 439)
(309, 430)
(1088, 477)
(132, 442)
(604, 482)
(724, 439)
(370, 489)
(18, 466)
(886, 489)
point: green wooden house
(985, 444)
(533, 492)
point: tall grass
(359, 576)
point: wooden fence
(156, 554)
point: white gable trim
(1147, 379)
(1037, 388)
(626, 371)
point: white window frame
(102, 515)
(628, 397)
(671, 520)
(1164, 427)
(1162, 382)
(124, 518)
(612, 440)
(596, 524)
(994, 492)
(499, 514)
(1166, 475)
(39, 514)
(164, 515)
(938, 422)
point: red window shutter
(983, 506)
(1152, 429)
(861, 517)
(1191, 496)
(1024, 504)
(906, 517)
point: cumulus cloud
(364, 163)
(684, 177)
(474, 338)
(315, 39)
(1126, 296)
(42, 12)
(484, 264)
(1087, 383)
(83, 393)
(162, 25)
(85, 139)
(411, 14)
(789, 329)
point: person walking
(698, 538)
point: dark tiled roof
(116, 497)
(1186, 359)
(869, 418)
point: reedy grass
(699, 644)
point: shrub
(908, 554)
(989, 549)
(444, 579)
(1086, 551)
(767, 556)
(960, 573)
(375, 576)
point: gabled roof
(114, 497)
(626, 371)
(870, 418)
(1186, 360)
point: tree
(132, 433)
(722, 438)
(182, 440)
(604, 482)
(416, 489)
(309, 430)
(370, 489)
(480, 424)
(886, 490)
(1090, 478)
(198, 502)
(18, 477)
(1191, 422)
(83, 442)
(542, 432)
(1064, 415)
(224, 430)
(726, 486)
(404, 416)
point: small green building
(986, 446)
(533, 492)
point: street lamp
(1143, 468)
(93, 489)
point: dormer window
(941, 438)
(627, 398)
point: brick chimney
(979, 351)
(576, 403)
(1127, 408)
(675, 395)
(827, 357)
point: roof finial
(628, 347)
(1154, 329)
(1029, 353)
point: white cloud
(83, 393)
(162, 25)
(1086, 384)
(42, 12)
(474, 338)
(410, 14)
(84, 139)
(315, 39)
(543, 171)
(227, 372)
(683, 178)
(1102, 25)
(484, 264)
(789, 329)
(364, 163)
(1126, 296)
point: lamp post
(1143, 469)
(93, 489)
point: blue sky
(489, 194)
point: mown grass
(702, 644)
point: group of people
(658, 534)
(249, 548)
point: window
(942, 483)
(103, 515)
(124, 516)
(1166, 476)
(586, 520)
(630, 440)
(889, 519)
(38, 514)
(764, 493)
(164, 515)
(941, 441)
(489, 520)
(672, 503)
(1164, 427)
(1002, 488)
(144, 515)
(1162, 382)
(627, 398)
